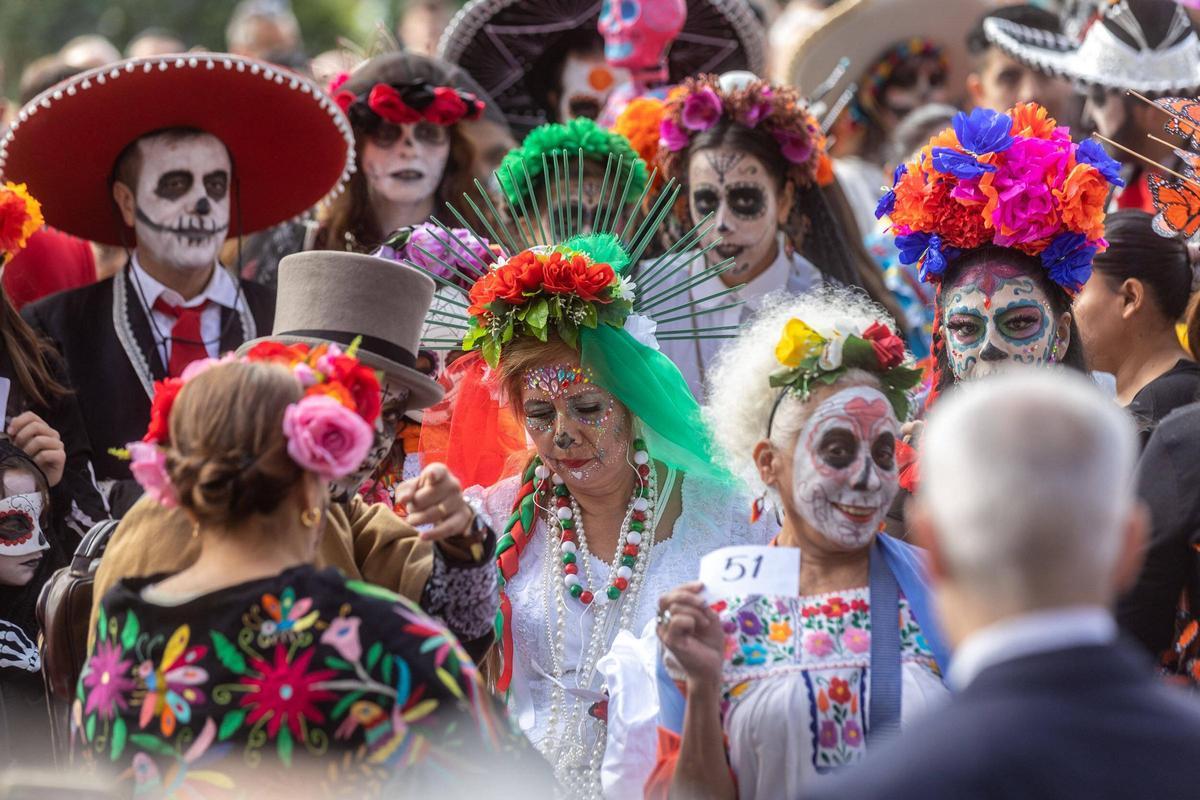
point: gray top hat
(326, 296)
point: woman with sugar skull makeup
(620, 497)
(778, 691)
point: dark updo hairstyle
(1161, 263)
(1027, 265)
(228, 457)
(812, 226)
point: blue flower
(927, 249)
(963, 166)
(1068, 259)
(912, 246)
(1092, 152)
(983, 131)
(888, 201)
(754, 654)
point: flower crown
(1012, 180)
(20, 217)
(406, 103)
(329, 430)
(698, 104)
(809, 358)
(455, 254)
(877, 79)
(542, 289)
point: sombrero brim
(861, 30)
(498, 41)
(290, 144)
(1101, 59)
(423, 390)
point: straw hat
(328, 296)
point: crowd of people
(658, 398)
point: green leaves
(228, 654)
(230, 723)
(284, 746)
(373, 655)
(119, 732)
(152, 744)
(345, 704)
(129, 633)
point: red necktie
(187, 345)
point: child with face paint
(781, 690)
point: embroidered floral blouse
(301, 682)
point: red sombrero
(291, 145)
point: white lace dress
(712, 516)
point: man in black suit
(1028, 509)
(168, 157)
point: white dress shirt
(788, 272)
(1027, 635)
(221, 291)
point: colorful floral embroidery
(837, 715)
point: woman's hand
(692, 632)
(435, 499)
(41, 443)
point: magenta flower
(759, 111)
(342, 635)
(750, 624)
(1026, 211)
(107, 680)
(796, 148)
(325, 437)
(148, 463)
(671, 136)
(431, 249)
(701, 109)
(856, 640)
(819, 643)
(852, 733)
(828, 735)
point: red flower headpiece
(407, 103)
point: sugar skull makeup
(22, 539)
(743, 198)
(844, 468)
(587, 81)
(404, 164)
(579, 429)
(182, 199)
(996, 317)
(637, 32)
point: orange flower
(1032, 120)
(20, 217)
(639, 123)
(335, 390)
(780, 632)
(1082, 198)
(822, 702)
(509, 282)
(824, 176)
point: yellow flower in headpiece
(20, 217)
(797, 343)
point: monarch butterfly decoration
(1178, 205)
(1184, 113)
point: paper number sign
(751, 569)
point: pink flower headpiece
(329, 430)
(697, 104)
(407, 103)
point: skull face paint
(404, 164)
(182, 199)
(587, 81)
(743, 198)
(387, 424)
(637, 32)
(22, 540)
(996, 317)
(578, 428)
(844, 467)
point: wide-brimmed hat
(290, 144)
(1101, 58)
(499, 42)
(328, 296)
(863, 30)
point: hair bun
(224, 488)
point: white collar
(221, 288)
(1029, 634)
(773, 279)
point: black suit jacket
(1084, 722)
(112, 397)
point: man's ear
(1133, 297)
(975, 89)
(124, 198)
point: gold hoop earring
(309, 517)
(195, 529)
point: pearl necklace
(575, 744)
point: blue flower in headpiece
(1068, 259)
(983, 131)
(963, 166)
(888, 201)
(927, 249)
(1092, 152)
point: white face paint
(22, 540)
(996, 318)
(735, 188)
(587, 81)
(404, 164)
(182, 197)
(844, 467)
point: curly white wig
(739, 397)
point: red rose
(447, 107)
(475, 106)
(595, 279)
(387, 103)
(528, 273)
(363, 385)
(345, 98)
(165, 392)
(888, 347)
(558, 275)
(278, 352)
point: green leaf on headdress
(491, 351)
(568, 333)
(857, 352)
(591, 317)
(537, 315)
(603, 248)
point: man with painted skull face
(182, 153)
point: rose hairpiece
(407, 103)
(1013, 180)
(698, 104)
(809, 358)
(20, 218)
(329, 430)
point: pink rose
(342, 635)
(819, 643)
(856, 640)
(304, 373)
(701, 109)
(325, 437)
(149, 467)
(671, 136)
